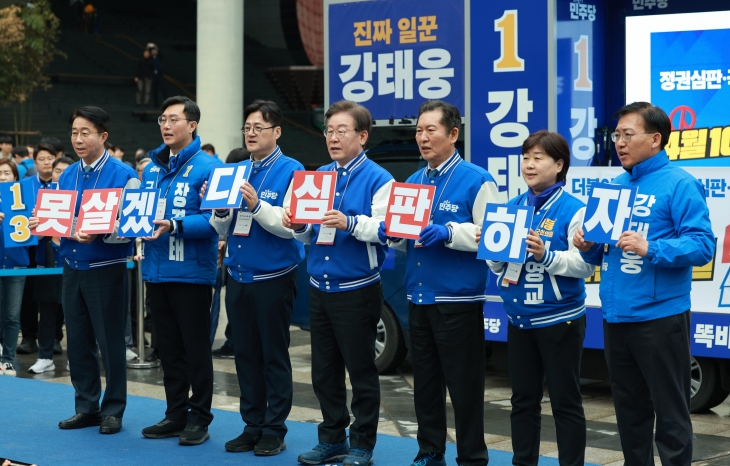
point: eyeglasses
(341, 133)
(625, 136)
(256, 129)
(84, 134)
(163, 121)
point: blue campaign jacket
(34, 183)
(450, 272)
(12, 258)
(356, 257)
(105, 250)
(552, 290)
(270, 250)
(672, 213)
(188, 255)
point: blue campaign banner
(504, 231)
(690, 80)
(392, 55)
(495, 322)
(710, 335)
(138, 213)
(224, 185)
(608, 212)
(17, 205)
(510, 45)
(581, 57)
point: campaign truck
(518, 66)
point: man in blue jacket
(345, 295)
(646, 280)
(179, 266)
(94, 280)
(446, 316)
(261, 260)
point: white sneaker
(42, 365)
(8, 369)
(131, 355)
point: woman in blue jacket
(11, 288)
(545, 305)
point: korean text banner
(313, 194)
(98, 212)
(409, 209)
(509, 85)
(55, 212)
(139, 207)
(17, 205)
(608, 213)
(392, 55)
(224, 186)
(504, 233)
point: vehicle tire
(390, 345)
(706, 389)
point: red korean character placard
(409, 209)
(55, 212)
(312, 195)
(98, 211)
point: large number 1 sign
(17, 205)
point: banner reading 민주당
(504, 232)
(17, 205)
(392, 55)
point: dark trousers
(649, 368)
(554, 353)
(50, 328)
(29, 311)
(181, 315)
(447, 350)
(260, 314)
(95, 314)
(344, 327)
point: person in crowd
(56, 144)
(446, 319)
(94, 277)
(346, 296)
(260, 294)
(210, 150)
(143, 78)
(11, 287)
(6, 147)
(47, 288)
(545, 335)
(31, 151)
(140, 154)
(179, 269)
(21, 157)
(141, 165)
(646, 279)
(59, 166)
(158, 78)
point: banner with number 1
(17, 205)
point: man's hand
(163, 226)
(2, 216)
(203, 188)
(631, 241)
(335, 219)
(479, 235)
(580, 243)
(286, 221)
(249, 196)
(535, 245)
(433, 234)
(83, 238)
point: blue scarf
(538, 200)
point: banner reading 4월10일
(391, 55)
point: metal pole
(140, 363)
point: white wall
(220, 73)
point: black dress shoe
(269, 445)
(57, 347)
(244, 442)
(110, 425)
(153, 356)
(27, 346)
(166, 428)
(225, 352)
(194, 435)
(80, 420)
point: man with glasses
(646, 280)
(345, 296)
(260, 293)
(179, 268)
(94, 280)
